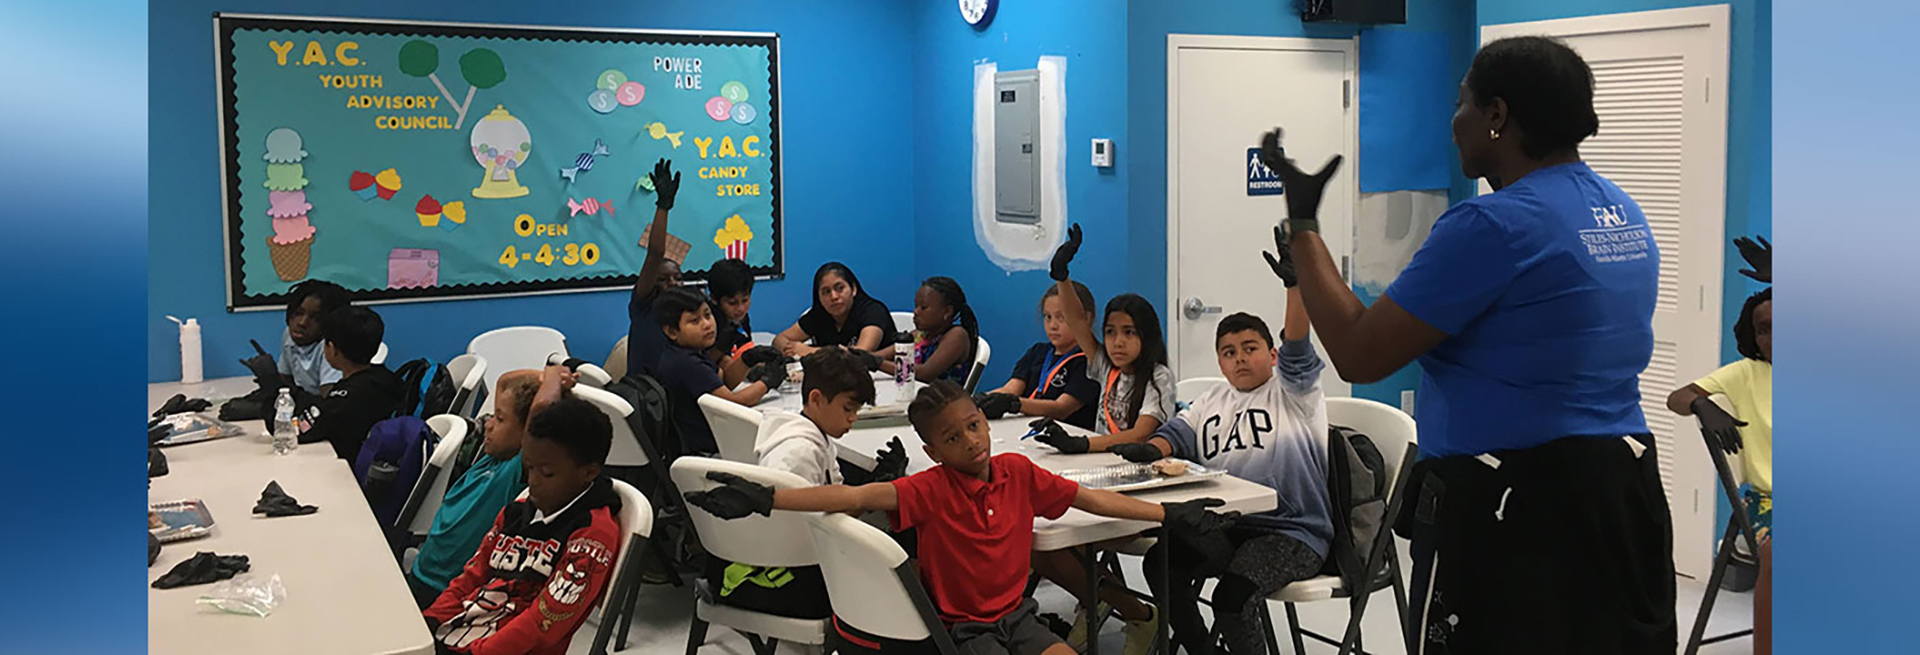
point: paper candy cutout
(417, 268)
(659, 131)
(744, 114)
(500, 144)
(590, 206)
(286, 177)
(361, 184)
(283, 147)
(290, 229)
(733, 237)
(601, 100)
(456, 214)
(719, 108)
(584, 162)
(389, 183)
(428, 210)
(677, 248)
(610, 79)
(283, 204)
(644, 183)
(734, 92)
(630, 94)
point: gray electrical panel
(1016, 146)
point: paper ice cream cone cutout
(286, 177)
(290, 260)
(283, 147)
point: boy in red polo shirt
(974, 513)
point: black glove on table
(1053, 435)
(758, 355)
(773, 374)
(1138, 453)
(275, 502)
(736, 498)
(180, 403)
(996, 405)
(202, 568)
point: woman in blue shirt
(1537, 516)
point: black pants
(1566, 547)
(1251, 563)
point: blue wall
(1091, 36)
(1749, 120)
(848, 168)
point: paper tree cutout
(480, 67)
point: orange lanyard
(1106, 407)
(1047, 382)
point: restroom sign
(1261, 181)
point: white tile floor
(664, 613)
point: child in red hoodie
(549, 555)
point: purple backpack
(390, 463)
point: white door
(1660, 89)
(1223, 93)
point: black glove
(891, 462)
(202, 568)
(1064, 254)
(275, 502)
(1138, 453)
(1720, 426)
(996, 405)
(153, 548)
(265, 373)
(156, 463)
(1302, 190)
(1053, 435)
(1759, 258)
(758, 355)
(1283, 264)
(666, 183)
(736, 498)
(773, 374)
(180, 403)
(868, 357)
(1192, 516)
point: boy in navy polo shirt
(974, 513)
(686, 319)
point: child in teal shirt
(495, 479)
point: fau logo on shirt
(1609, 216)
(514, 553)
(1258, 423)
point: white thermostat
(1103, 153)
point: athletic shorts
(1020, 632)
(1566, 548)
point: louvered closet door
(1663, 140)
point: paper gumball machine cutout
(500, 144)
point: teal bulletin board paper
(1406, 99)
(358, 97)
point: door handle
(1194, 309)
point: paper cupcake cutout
(428, 210)
(361, 184)
(388, 182)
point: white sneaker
(1077, 637)
(1143, 635)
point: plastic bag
(246, 594)
(193, 427)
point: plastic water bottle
(190, 371)
(903, 368)
(285, 436)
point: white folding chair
(380, 356)
(1740, 535)
(469, 373)
(980, 357)
(872, 583)
(616, 366)
(623, 589)
(416, 516)
(902, 322)
(626, 450)
(735, 428)
(515, 348)
(590, 373)
(1187, 390)
(1395, 435)
(780, 539)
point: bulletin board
(413, 160)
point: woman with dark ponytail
(945, 333)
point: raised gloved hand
(1759, 258)
(1053, 435)
(1064, 254)
(773, 374)
(1193, 516)
(1282, 264)
(758, 355)
(1302, 190)
(891, 462)
(265, 373)
(666, 183)
(1138, 453)
(996, 405)
(736, 498)
(1720, 426)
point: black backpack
(1358, 482)
(429, 388)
